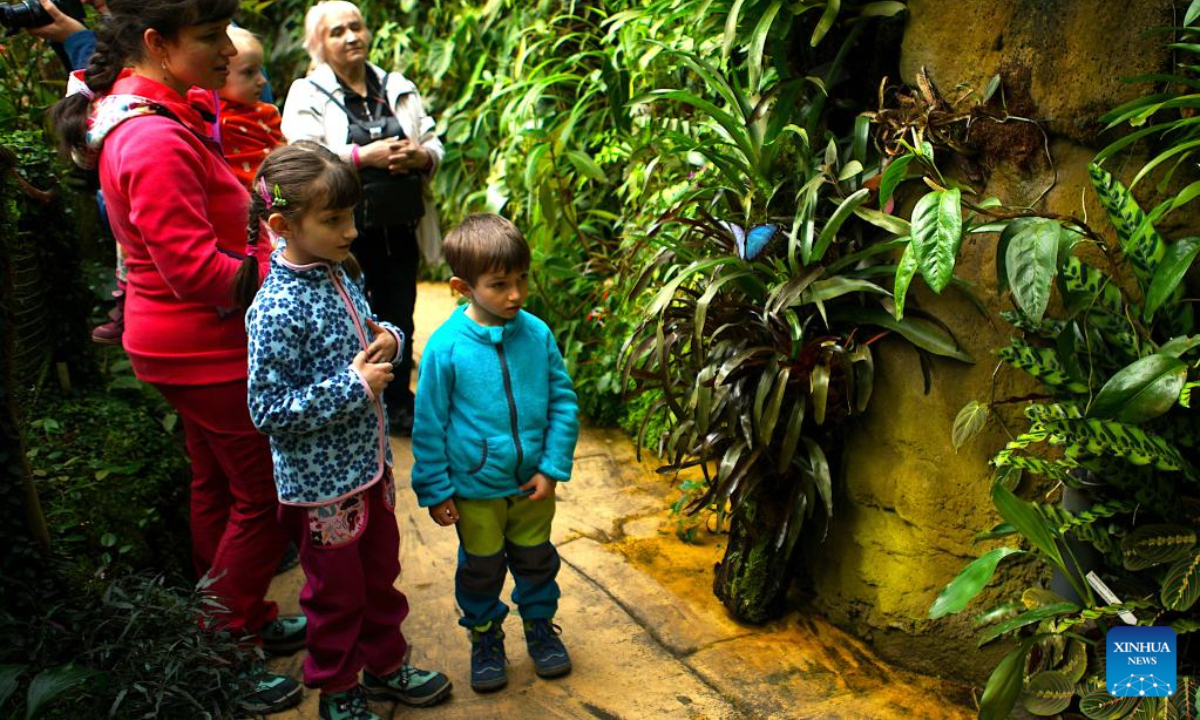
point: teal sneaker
(270, 693)
(346, 705)
(550, 658)
(488, 661)
(409, 685)
(284, 635)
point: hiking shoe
(408, 685)
(271, 693)
(488, 671)
(346, 705)
(550, 658)
(284, 635)
(110, 332)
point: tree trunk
(753, 578)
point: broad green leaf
(1029, 522)
(891, 223)
(1099, 705)
(832, 7)
(1141, 243)
(969, 422)
(9, 677)
(51, 683)
(955, 597)
(1025, 619)
(791, 436)
(821, 474)
(829, 232)
(892, 177)
(924, 335)
(1048, 693)
(1004, 685)
(731, 23)
(1181, 586)
(1192, 13)
(1158, 544)
(886, 8)
(758, 41)
(1141, 391)
(586, 166)
(936, 233)
(818, 388)
(1031, 261)
(1175, 264)
(905, 271)
(1180, 346)
(770, 414)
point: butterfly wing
(739, 237)
(758, 239)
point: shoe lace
(542, 632)
(488, 644)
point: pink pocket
(339, 523)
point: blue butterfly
(751, 245)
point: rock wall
(910, 503)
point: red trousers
(350, 552)
(236, 535)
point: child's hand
(444, 513)
(383, 348)
(542, 487)
(376, 375)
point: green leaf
(829, 232)
(1158, 544)
(821, 474)
(1192, 13)
(969, 422)
(892, 177)
(1142, 390)
(9, 677)
(1099, 705)
(885, 8)
(955, 597)
(1139, 240)
(1025, 619)
(905, 271)
(818, 383)
(586, 166)
(936, 233)
(1181, 586)
(896, 226)
(924, 335)
(758, 41)
(1175, 264)
(1029, 522)
(832, 7)
(1048, 693)
(1031, 260)
(1180, 346)
(1004, 685)
(791, 436)
(52, 682)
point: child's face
(246, 81)
(499, 295)
(320, 235)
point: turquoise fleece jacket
(494, 407)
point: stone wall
(910, 503)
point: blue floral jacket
(329, 436)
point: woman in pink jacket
(180, 213)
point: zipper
(512, 410)
(362, 339)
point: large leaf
(1099, 705)
(1025, 619)
(1048, 693)
(51, 683)
(905, 271)
(1029, 522)
(924, 335)
(829, 232)
(968, 583)
(1031, 263)
(1004, 685)
(1176, 261)
(936, 233)
(1181, 586)
(969, 422)
(1151, 545)
(1185, 703)
(1141, 391)
(892, 177)
(9, 675)
(1141, 242)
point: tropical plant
(1117, 365)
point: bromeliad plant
(1118, 366)
(759, 338)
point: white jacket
(309, 114)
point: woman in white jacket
(374, 120)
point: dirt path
(647, 638)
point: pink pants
(236, 536)
(350, 552)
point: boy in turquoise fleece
(494, 433)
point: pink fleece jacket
(180, 215)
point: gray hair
(314, 26)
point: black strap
(349, 115)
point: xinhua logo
(1140, 661)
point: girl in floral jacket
(319, 362)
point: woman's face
(345, 38)
(199, 55)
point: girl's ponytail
(245, 282)
(70, 114)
